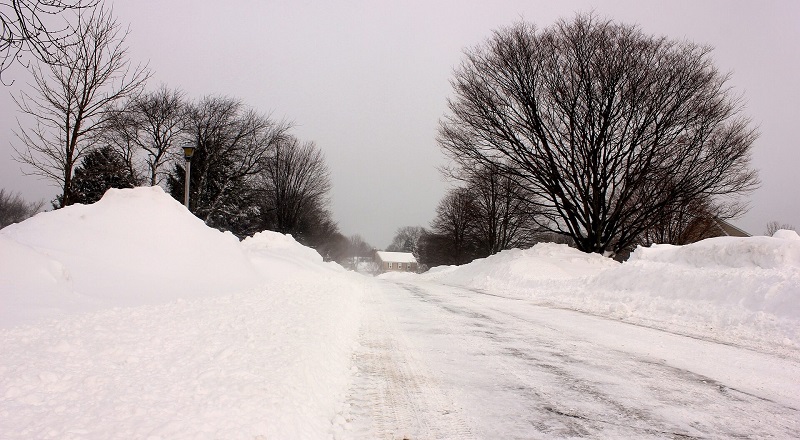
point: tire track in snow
(755, 346)
(394, 396)
(546, 413)
(569, 387)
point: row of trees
(589, 130)
(96, 128)
(14, 209)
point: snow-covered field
(130, 318)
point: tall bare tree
(71, 99)
(41, 28)
(233, 146)
(146, 130)
(606, 126)
(490, 213)
(504, 213)
(453, 227)
(296, 184)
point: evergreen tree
(100, 170)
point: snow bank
(742, 290)
(734, 289)
(517, 268)
(777, 252)
(133, 247)
(167, 328)
(278, 256)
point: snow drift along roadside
(517, 268)
(133, 247)
(741, 290)
(272, 362)
(738, 290)
(167, 328)
(278, 257)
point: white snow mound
(738, 290)
(743, 276)
(516, 267)
(786, 234)
(279, 256)
(133, 247)
(167, 328)
(781, 250)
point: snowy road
(101, 338)
(441, 362)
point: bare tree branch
(149, 125)
(71, 101)
(38, 27)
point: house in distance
(396, 261)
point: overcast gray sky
(368, 82)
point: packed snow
(130, 318)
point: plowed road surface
(441, 362)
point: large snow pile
(729, 288)
(517, 268)
(743, 290)
(279, 256)
(133, 247)
(167, 328)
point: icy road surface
(441, 362)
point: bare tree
(775, 226)
(295, 183)
(149, 125)
(406, 239)
(490, 213)
(233, 145)
(37, 27)
(504, 215)
(71, 99)
(606, 126)
(453, 227)
(14, 209)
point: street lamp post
(188, 151)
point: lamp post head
(188, 151)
